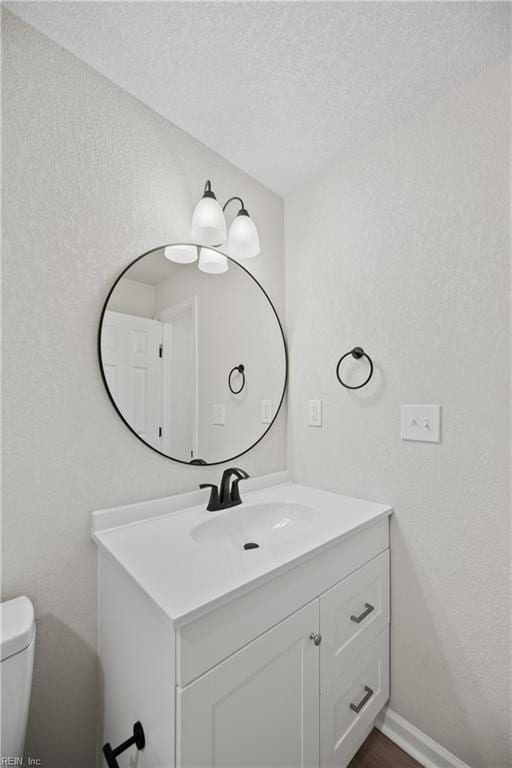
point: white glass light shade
(212, 261)
(208, 222)
(243, 241)
(181, 254)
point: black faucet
(229, 494)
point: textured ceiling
(280, 88)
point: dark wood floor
(379, 752)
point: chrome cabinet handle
(368, 609)
(366, 698)
(317, 638)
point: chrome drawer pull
(368, 609)
(366, 698)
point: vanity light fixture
(243, 240)
(208, 222)
(212, 261)
(209, 226)
(181, 254)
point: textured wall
(92, 178)
(403, 249)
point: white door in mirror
(130, 349)
(421, 422)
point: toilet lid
(16, 626)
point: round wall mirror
(193, 354)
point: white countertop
(185, 578)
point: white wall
(133, 298)
(92, 178)
(403, 249)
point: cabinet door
(259, 707)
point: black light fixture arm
(207, 191)
(242, 211)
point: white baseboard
(417, 744)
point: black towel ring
(357, 353)
(241, 370)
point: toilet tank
(17, 634)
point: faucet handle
(240, 474)
(213, 503)
(235, 490)
(226, 492)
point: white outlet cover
(315, 413)
(421, 423)
(266, 411)
(219, 414)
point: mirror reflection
(193, 354)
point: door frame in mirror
(104, 379)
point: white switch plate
(266, 411)
(421, 422)
(315, 413)
(219, 414)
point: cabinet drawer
(350, 702)
(353, 613)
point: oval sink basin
(264, 525)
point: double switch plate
(421, 422)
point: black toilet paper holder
(138, 739)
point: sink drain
(251, 545)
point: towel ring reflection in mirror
(357, 353)
(241, 370)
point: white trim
(417, 744)
(166, 316)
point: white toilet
(17, 639)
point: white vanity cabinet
(304, 693)
(291, 670)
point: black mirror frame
(103, 377)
